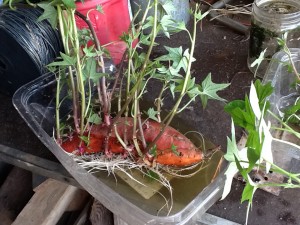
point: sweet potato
(172, 148)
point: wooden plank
(47, 204)
(100, 214)
(15, 192)
(83, 216)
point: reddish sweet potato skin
(185, 154)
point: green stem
(278, 185)
(135, 123)
(57, 103)
(183, 91)
(30, 3)
(89, 99)
(187, 104)
(288, 52)
(145, 16)
(153, 37)
(141, 131)
(124, 145)
(103, 95)
(158, 101)
(294, 177)
(289, 129)
(64, 34)
(132, 94)
(79, 71)
(277, 169)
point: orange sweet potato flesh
(185, 152)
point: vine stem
(184, 88)
(284, 172)
(135, 124)
(75, 102)
(159, 102)
(57, 115)
(288, 52)
(131, 93)
(279, 170)
(79, 71)
(289, 129)
(104, 97)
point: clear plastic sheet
(284, 95)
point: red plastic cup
(109, 25)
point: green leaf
(90, 67)
(149, 22)
(90, 71)
(85, 139)
(153, 151)
(167, 74)
(254, 148)
(181, 25)
(152, 114)
(229, 107)
(172, 89)
(249, 115)
(174, 150)
(174, 54)
(49, 14)
(229, 173)
(241, 113)
(235, 109)
(177, 57)
(263, 91)
(69, 4)
(99, 8)
(231, 146)
(187, 56)
(199, 16)
(281, 42)
(168, 7)
(291, 113)
(192, 92)
(231, 155)
(266, 149)
(166, 24)
(95, 119)
(209, 90)
(145, 39)
(152, 175)
(190, 84)
(248, 193)
(259, 60)
(89, 51)
(66, 61)
(242, 171)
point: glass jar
(271, 19)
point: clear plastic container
(192, 196)
(270, 20)
(284, 95)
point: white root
(99, 162)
